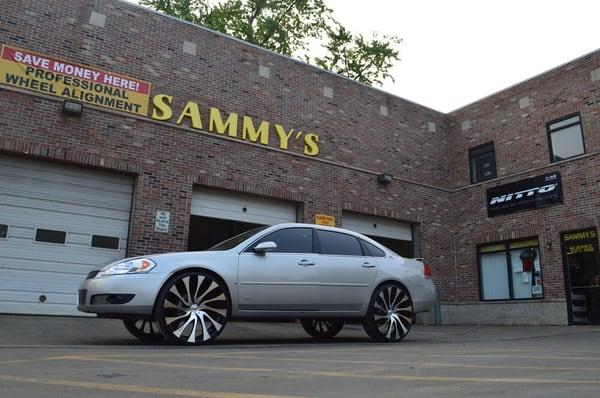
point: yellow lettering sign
(324, 219)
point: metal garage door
(240, 207)
(60, 222)
(377, 226)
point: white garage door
(377, 226)
(240, 207)
(56, 224)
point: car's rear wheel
(390, 314)
(322, 328)
(143, 329)
(193, 308)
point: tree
(288, 27)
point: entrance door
(582, 274)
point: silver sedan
(323, 276)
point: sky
(455, 52)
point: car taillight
(426, 271)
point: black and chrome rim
(146, 327)
(393, 312)
(322, 326)
(195, 308)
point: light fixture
(384, 178)
(72, 108)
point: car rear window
(373, 250)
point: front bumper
(143, 287)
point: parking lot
(75, 357)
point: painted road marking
(137, 389)
(301, 373)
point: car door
(285, 279)
(346, 271)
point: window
(3, 231)
(510, 271)
(373, 250)
(50, 236)
(339, 243)
(290, 240)
(236, 240)
(482, 161)
(105, 242)
(566, 138)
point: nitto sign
(532, 193)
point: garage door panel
(40, 282)
(240, 207)
(82, 203)
(42, 205)
(377, 226)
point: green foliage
(287, 27)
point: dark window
(373, 250)
(290, 240)
(105, 242)
(482, 162)
(3, 231)
(566, 138)
(339, 243)
(236, 240)
(510, 270)
(50, 236)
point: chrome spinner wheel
(390, 314)
(193, 308)
(322, 328)
(143, 329)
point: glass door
(582, 275)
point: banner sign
(35, 72)
(532, 193)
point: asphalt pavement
(87, 357)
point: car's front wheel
(193, 308)
(322, 328)
(143, 329)
(390, 314)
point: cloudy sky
(455, 52)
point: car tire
(390, 313)
(322, 328)
(143, 329)
(193, 308)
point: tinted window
(566, 138)
(105, 242)
(50, 236)
(3, 231)
(236, 240)
(339, 243)
(290, 240)
(482, 161)
(374, 251)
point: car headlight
(136, 266)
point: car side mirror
(264, 247)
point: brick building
(187, 136)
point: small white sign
(163, 219)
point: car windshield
(236, 240)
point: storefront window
(511, 270)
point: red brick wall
(431, 182)
(521, 144)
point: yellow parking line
(302, 373)
(15, 361)
(154, 391)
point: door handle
(368, 265)
(305, 263)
